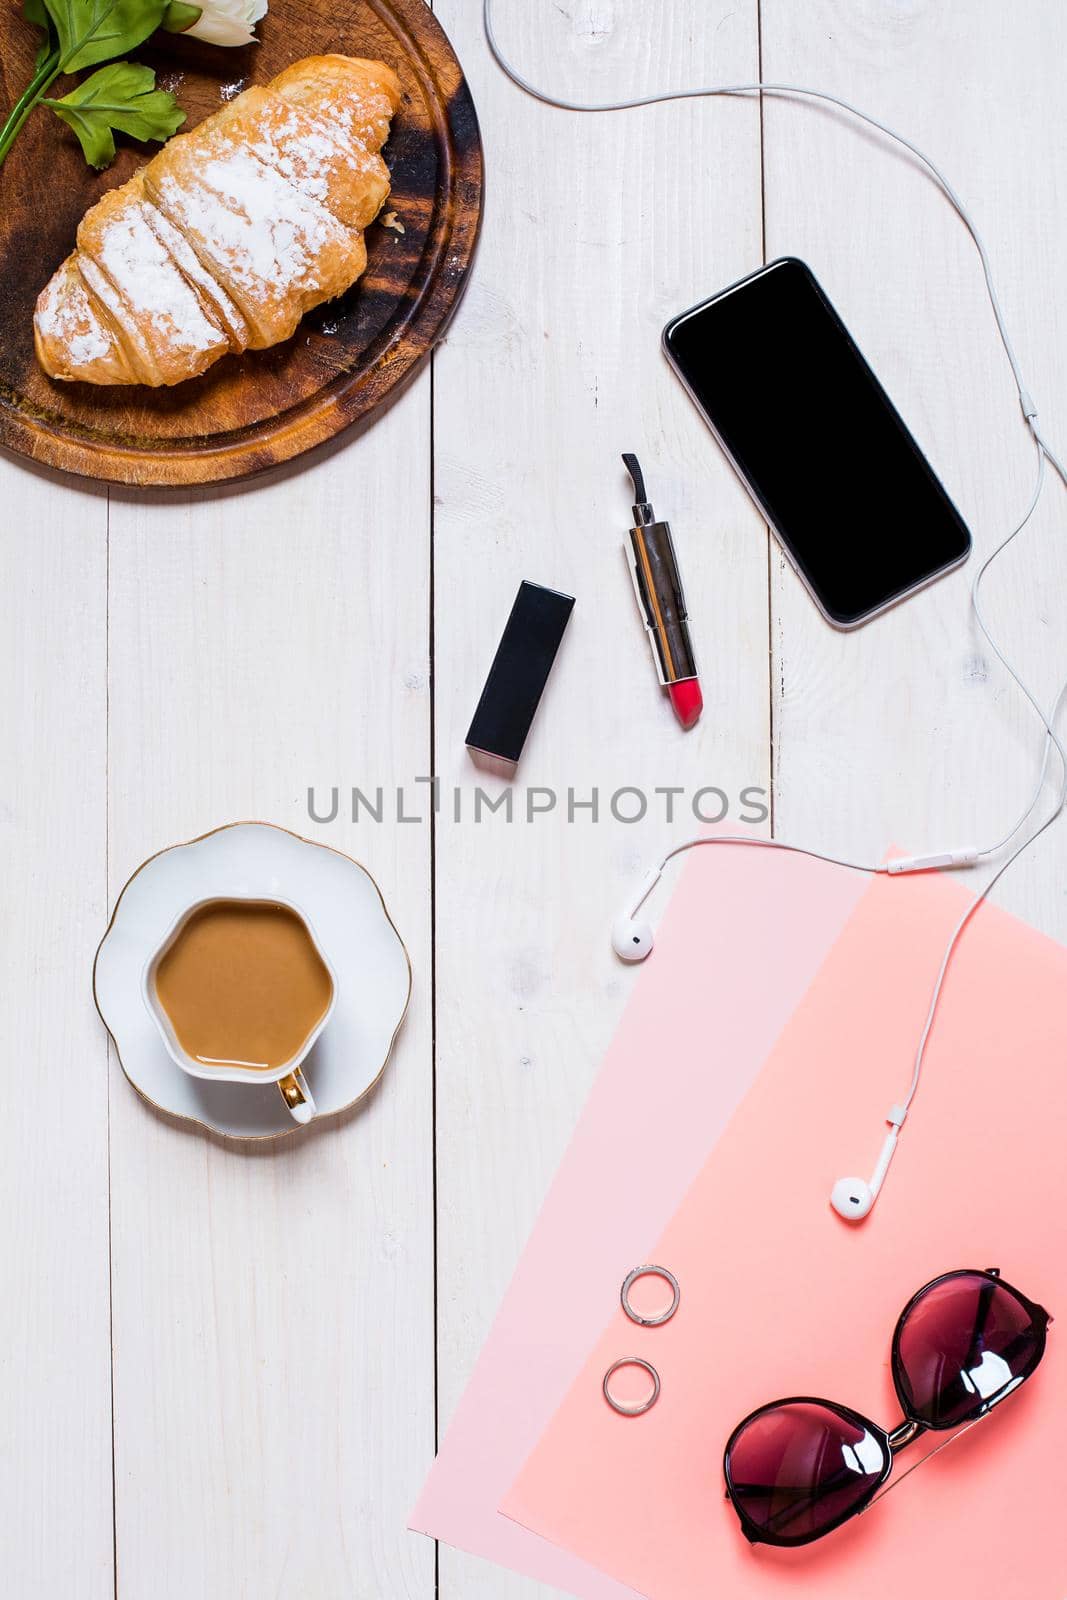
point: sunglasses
(798, 1468)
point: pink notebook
(741, 940)
(779, 1297)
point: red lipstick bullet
(661, 601)
(687, 700)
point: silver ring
(643, 1405)
(650, 1272)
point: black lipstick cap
(519, 672)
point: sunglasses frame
(912, 1426)
(1041, 1320)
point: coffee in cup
(240, 991)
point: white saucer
(357, 934)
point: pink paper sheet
(742, 939)
(780, 1297)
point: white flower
(228, 21)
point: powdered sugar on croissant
(229, 235)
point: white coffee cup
(289, 1077)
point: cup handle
(297, 1096)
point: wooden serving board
(247, 412)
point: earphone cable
(1044, 453)
(1052, 740)
(1029, 410)
(765, 844)
(958, 931)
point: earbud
(631, 940)
(853, 1198)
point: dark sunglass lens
(797, 1469)
(961, 1345)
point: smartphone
(817, 441)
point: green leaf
(122, 96)
(91, 31)
(178, 16)
(36, 12)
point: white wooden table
(222, 1371)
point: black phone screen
(818, 441)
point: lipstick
(661, 600)
(519, 673)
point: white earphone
(852, 1198)
(632, 940)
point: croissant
(228, 235)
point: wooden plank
(55, 1358)
(596, 230)
(908, 729)
(274, 1304)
